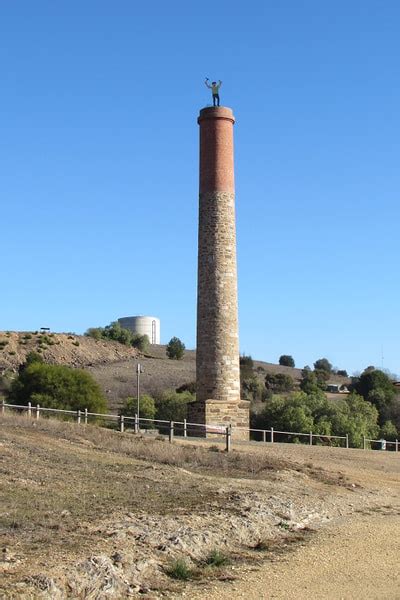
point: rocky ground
(60, 348)
(90, 513)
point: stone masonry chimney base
(219, 413)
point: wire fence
(185, 429)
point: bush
(172, 406)
(187, 387)
(323, 364)
(175, 349)
(389, 431)
(95, 332)
(141, 342)
(279, 382)
(313, 412)
(216, 558)
(61, 386)
(179, 570)
(113, 331)
(252, 389)
(286, 360)
(376, 387)
(147, 407)
(342, 373)
(309, 382)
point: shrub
(172, 406)
(252, 389)
(286, 360)
(216, 558)
(279, 382)
(187, 387)
(95, 333)
(175, 349)
(113, 331)
(342, 372)
(389, 431)
(305, 412)
(376, 387)
(179, 570)
(323, 364)
(63, 387)
(147, 407)
(141, 342)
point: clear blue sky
(99, 168)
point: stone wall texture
(218, 373)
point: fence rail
(184, 427)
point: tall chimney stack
(217, 359)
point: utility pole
(138, 371)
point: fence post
(78, 417)
(37, 411)
(347, 440)
(310, 438)
(171, 432)
(122, 424)
(364, 445)
(228, 440)
(29, 410)
(3, 407)
(264, 436)
(397, 446)
(86, 411)
(272, 435)
(184, 428)
(136, 426)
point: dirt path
(353, 559)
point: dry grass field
(91, 513)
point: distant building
(336, 388)
(143, 325)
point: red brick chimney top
(216, 112)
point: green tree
(376, 387)
(115, 332)
(286, 360)
(309, 382)
(147, 407)
(57, 386)
(172, 406)
(252, 389)
(342, 373)
(278, 382)
(354, 416)
(95, 332)
(141, 342)
(389, 431)
(175, 349)
(303, 412)
(323, 364)
(31, 358)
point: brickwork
(217, 362)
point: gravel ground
(356, 558)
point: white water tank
(149, 326)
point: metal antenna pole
(138, 371)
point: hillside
(113, 365)
(91, 513)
